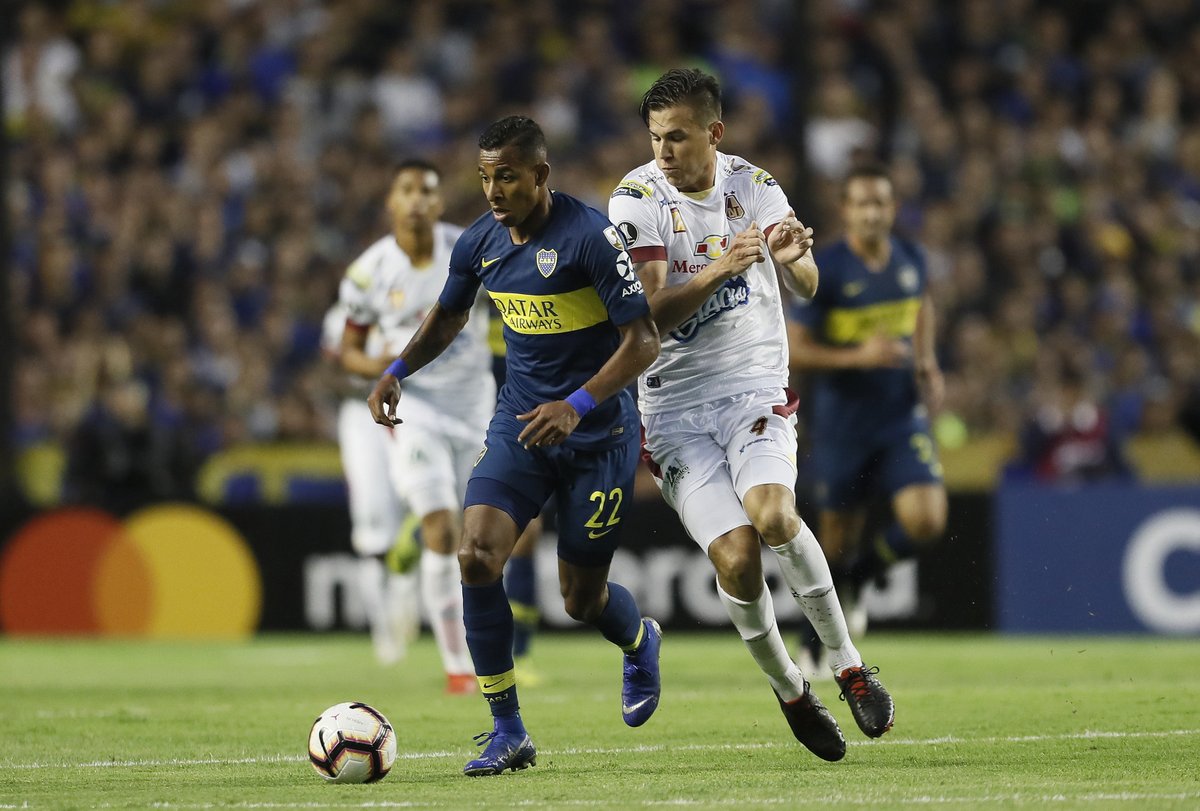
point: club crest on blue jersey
(547, 261)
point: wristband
(581, 401)
(398, 369)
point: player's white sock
(441, 593)
(404, 605)
(755, 621)
(805, 570)
(372, 575)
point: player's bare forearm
(357, 362)
(930, 382)
(805, 353)
(925, 335)
(353, 357)
(552, 423)
(638, 349)
(803, 276)
(437, 331)
(671, 306)
(814, 357)
(431, 339)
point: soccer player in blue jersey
(578, 331)
(868, 334)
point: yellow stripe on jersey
(895, 319)
(496, 337)
(552, 313)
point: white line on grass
(732, 802)
(616, 750)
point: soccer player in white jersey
(391, 287)
(710, 236)
(378, 517)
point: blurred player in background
(381, 526)
(390, 288)
(578, 331)
(708, 233)
(868, 333)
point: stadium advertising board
(1106, 558)
(178, 570)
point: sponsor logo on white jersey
(731, 295)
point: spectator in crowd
(1067, 437)
(172, 161)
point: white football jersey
(382, 290)
(736, 341)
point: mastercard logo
(170, 570)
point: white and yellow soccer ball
(352, 743)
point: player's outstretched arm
(552, 423)
(671, 306)
(436, 332)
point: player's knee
(925, 529)
(478, 563)
(777, 524)
(739, 566)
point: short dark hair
(870, 170)
(421, 164)
(517, 131)
(689, 86)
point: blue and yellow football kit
(561, 296)
(868, 426)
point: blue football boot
(504, 751)
(642, 684)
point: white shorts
(707, 458)
(376, 511)
(432, 457)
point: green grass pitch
(981, 722)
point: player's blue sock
(520, 584)
(489, 624)
(899, 544)
(620, 621)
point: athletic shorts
(707, 458)
(376, 510)
(848, 473)
(594, 488)
(431, 469)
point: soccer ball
(352, 743)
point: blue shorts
(594, 488)
(848, 473)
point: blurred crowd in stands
(189, 178)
